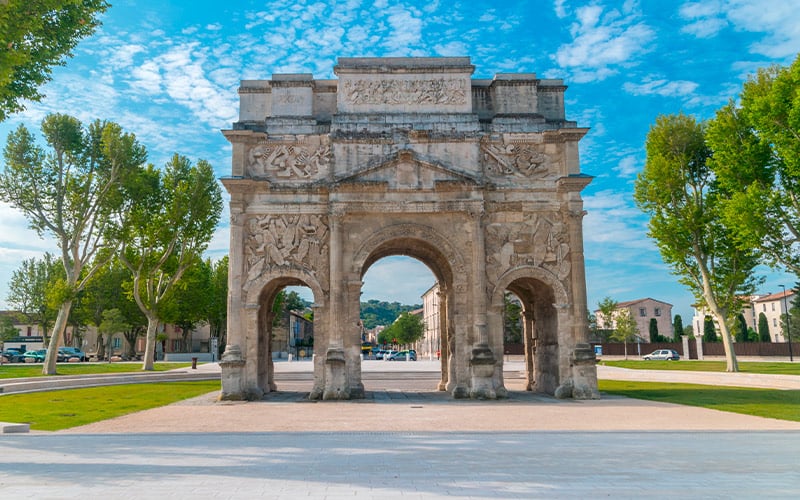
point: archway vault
(478, 179)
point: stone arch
(545, 304)
(448, 266)
(259, 296)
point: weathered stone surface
(478, 179)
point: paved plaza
(405, 441)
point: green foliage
(36, 35)
(709, 330)
(406, 330)
(7, 329)
(740, 329)
(677, 327)
(512, 319)
(217, 312)
(186, 304)
(763, 328)
(757, 160)
(375, 312)
(28, 289)
(654, 335)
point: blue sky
(168, 72)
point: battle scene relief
(280, 241)
(519, 159)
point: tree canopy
(406, 330)
(677, 189)
(36, 35)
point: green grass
(23, 370)
(56, 410)
(771, 403)
(709, 366)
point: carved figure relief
(299, 241)
(540, 241)
(405, 92)
(521, 160)
(281, 161)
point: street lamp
(788, 329)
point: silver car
(663, 354)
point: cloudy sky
(168, 72)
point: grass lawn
(772, 403)
(708, 366)
(22, 370)
(56, 410)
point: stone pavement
(406, 441)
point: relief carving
(405, 92)
(520, 160)
(281, 161)
(540, 241)
(298, 241)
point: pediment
(405, 171)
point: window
(764, 307)
(658, 311)
(117, 343)
(774, 322)
(773, 306)
(642, 312)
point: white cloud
(602, 41)
(662, 87)
(400, 279)
(628, 166)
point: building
(430, 344)
(772, 305)
(643, 310)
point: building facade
(642, 311)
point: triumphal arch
(477, 178)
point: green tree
(756, 146)
(512, 322)
(36, 35)
(709, 330)
(654, 335)
(187, 303)
(608, 311)
(217, 312)
(7, 329)
(763, 328)
(406, 330)
(69, 192)
(28, 291)
(167, 222)
(375, 312)
(677, 328)
(677, 190)
(113, 323)
(626, 328)
(740, 329)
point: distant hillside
(375, 312)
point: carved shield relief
(292, 161)
(529, 159)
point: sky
(168, 72)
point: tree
(512, 323)
(678, 190)
(7, 329)
(217, 312)
(69, 193)
(37, 35)
(757, 159)
(677, 328)
(113, 322)
(28, 287)
(654, 335)
(709, 330)
(626, 328)
(741, 329)
(187, 303)
(763, 328)
(167, 223)
(407, 329)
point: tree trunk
(60, 326)
(150, 344)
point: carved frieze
(541, 240)
(289, 161)
(287, 241)
(517, 159)
(405, 92)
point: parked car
(71, 352)
(13, 354)
(663, 354)
(35, 356)
(410, 355)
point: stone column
(578, 282)
(699, 342)
(232, 362)
(529, 342)
(482, 360)
(685, 344)
(335, 361)
(444, 339)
